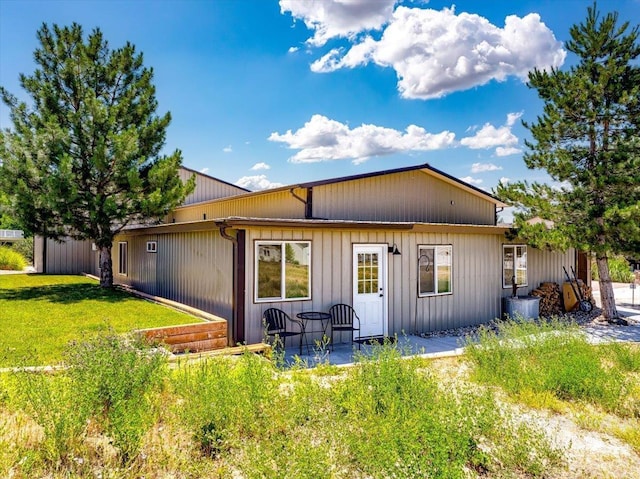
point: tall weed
(393, 420)
(226, 399)
(116, 379)
(549, 357)
(52, 402)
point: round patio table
(311, 320)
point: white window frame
(282, 297)
(436, 249)
(123, 259)
(152, 246)
(506, 282)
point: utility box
(569, 298)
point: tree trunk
(106, 267)
(607, 299)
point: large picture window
(434, 270)
(514, 263)
(122, 258)
(282, 270)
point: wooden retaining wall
(190, 337)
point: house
(412, 249)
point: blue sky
(268, 92)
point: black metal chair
(277, 323)
(343, 318)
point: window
(434, 270)
(368, 273)
(514, 263)
(122, 258)
(282, 270)
(152, 246)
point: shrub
(25, 248)
(618, 270)
(11, 259)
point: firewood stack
(550, 299)
(586, 292)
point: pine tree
(83, 160)
(588, 140)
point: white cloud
(489, 137)
(471, 180)
(501, 138)
(436, 52)
(323, 139)
(293, 49)
(482, 167)
(506, 151)
(204, 170)
(513, 117)
(338, 18)
(227, 149)
(260, 166)
(504, 180)
(257, 182)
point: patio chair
(278, 323)
(343, 318)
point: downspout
(308, 203)
(238, 266)
(498, 211)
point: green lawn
(40, 314)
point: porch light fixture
(394, 249)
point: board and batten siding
(69, 257)
(192, 268)
(279, 204)
(207, 187)
(543, 266)
(412, 196)
(476, 277)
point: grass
(40, 314)
(550, 362)
(551, 366)
(243, 417)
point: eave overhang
(247, 222)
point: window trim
(123, 259)
(281, 298)
(435, 247)
(152, 246)
(514, 246)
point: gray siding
(191, 268)
(477, 277)
(68, 257)
(207, 187)
(412, 196)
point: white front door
(370, 289)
